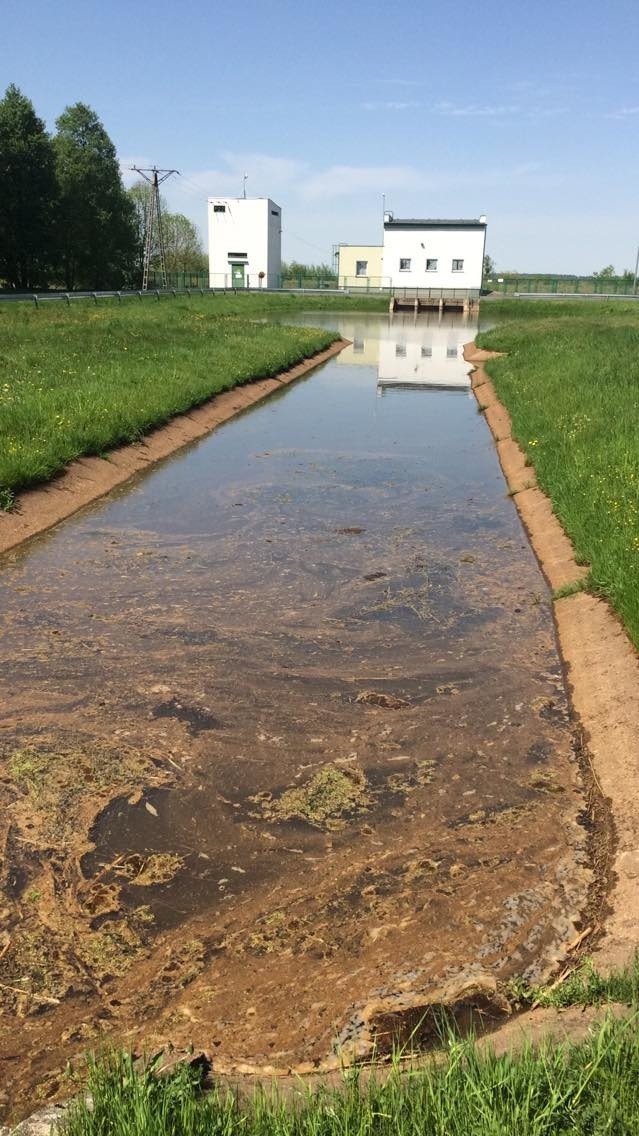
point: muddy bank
(285, 740)
(602, 672)
(90, 478)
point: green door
(237, 275)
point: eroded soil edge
(602, 671)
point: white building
(245, 242)
(437, 254)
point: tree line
(66, 219)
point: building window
(361, 267)
(274, 213)
(431, 265)
(404, 264)
(458, 266)
(237, 256)
(219, 208)
(451, 352)
(358, 346)
(427, 352)
(400, 350)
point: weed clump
(331, 795)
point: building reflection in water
(411, 351)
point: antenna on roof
(244, 181)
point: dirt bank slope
(602, 671)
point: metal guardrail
(570, 296)
(38, 298)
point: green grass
(584, 986)
(81, 379)
(570, 380)
(556, 1089)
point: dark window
(431, 265)
(219, 208)
(274, 213)
(427, 352)
(361, 267)
(404, 264)
(237, 255)
(400, 350)
(451, 352)
(458, 266)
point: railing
(436, 293)
(308, 286)
(528, 283)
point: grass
(584, 986)
(82, 379)
(570, 380)
(592, 1087)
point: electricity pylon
(153, 218)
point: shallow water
(336, 580)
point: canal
(284, 729)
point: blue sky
(525, 111)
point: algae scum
(283, 730)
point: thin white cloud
(624, 112)
(348, 181)
(411, 105)
(401, 82)
(475, 110)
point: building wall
(251, 226)
(441, 245)
(348, 258)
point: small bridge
(434, 299)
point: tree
(182, 245)
(27, 193)
(295, 269)
(97, 239)
(488, 267)
(607, 273)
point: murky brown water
(283, 727)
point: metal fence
(508, 284)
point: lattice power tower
(153, 221)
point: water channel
(284, 727)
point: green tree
(294, 269)
(182, 245)
(607, 273)
(488, 267)
(27, 193)
(97, 239)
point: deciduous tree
(27, 193)
(97, 238)
(182, 245)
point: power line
(153, 218)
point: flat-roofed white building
(245, 242)
(434, 253)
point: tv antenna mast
(153, 221)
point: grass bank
(552, 1090)
(570, 380)
(82, 379)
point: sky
(527, 111)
